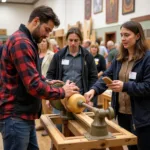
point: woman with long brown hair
(130, 72)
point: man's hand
(51, 82)
(48, 104)
(70, 89)
(89, 95)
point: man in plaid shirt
(21, 84)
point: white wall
(71, 11)
(11, 16)
(68, 11)
(74, 11)
(59, 7)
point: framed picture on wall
(111, 11)
(128, 6)
(97, 6)
(87, 9)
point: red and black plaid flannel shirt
(17, 61)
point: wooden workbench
(78, 127)
(105, 99)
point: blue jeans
(18, 134)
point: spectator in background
(45, 55)
(103, 44)
(112, 52)
(102, 49)
(117, 46)
(73, 63)
(54, 45)
(1, 42)
(86, 44)
(99, 59)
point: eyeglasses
(75, 40)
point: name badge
(132, 75)
(65, 62)
(96, 61)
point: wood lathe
(81, 131)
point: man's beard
(36, 35)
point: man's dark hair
(76, 31)
(45, 14)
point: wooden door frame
(108, 33)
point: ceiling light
(4, 1)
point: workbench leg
(53, 147)
(65, 129)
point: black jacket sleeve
(100, 86)
(141, 85)
(102, 64)
(92, 71)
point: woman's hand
(116, 86)
(89, 95)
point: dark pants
(18, 134)
(125, 121)
(143, 134)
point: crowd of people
(30, 63)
